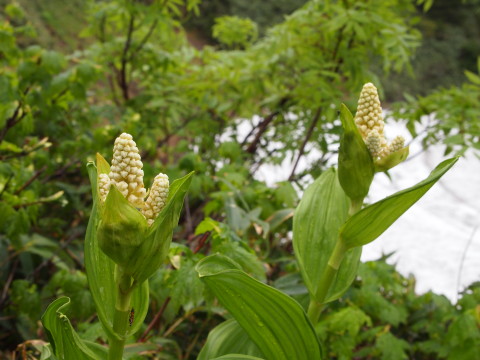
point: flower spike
(126, 171)
(369, 121)
(157, 198)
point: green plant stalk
(316, 304)
(121, 315)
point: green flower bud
(122, 228)
(355, 164)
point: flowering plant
(130, 231)
(127, 240)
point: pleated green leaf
(65, 342)
(228, 338)
(274, 321)
(369, 223)
(100, 273)
(316, 222)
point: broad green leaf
(100, 273)
(317, 219)
(228, 338)
(369, 223)
(66, 344)
(274, 321)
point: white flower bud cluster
(397, 144)
(369, 111)
(103, 186)
(375, 143)
(369, 120)
(157, 198)
(126, 172)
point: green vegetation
(63, 99)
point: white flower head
(126, 175)
(103, 185)
(369, 121)
(126, 172)
(369, 114)
(157, 198)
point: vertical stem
(355, 206)
(316, 305)
(121, 315)
(314, 310)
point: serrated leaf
(66, 344)
(321, 212)
(369, 223)
(274, 321)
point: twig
(124, 62)
(188, 216)
(262, 127)
(155, 320)
(8, 282)
(14, 119)
(201, 242)
(144, 40)
(195, 340)
(464, 255)
(305, 141)
(31, 180)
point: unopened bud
(157, 198)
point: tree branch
(123, 68)
(144, 40)
(305, 141)
(155, 320)
(14, 119)
(31, 180)
(262, 127)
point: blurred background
(246, 94)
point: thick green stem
(326, 281)
(314, 310)
(355, 206)
(121, 315)
(317, 303)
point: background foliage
(74, 75)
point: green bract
(122, 229)
(355, 164)
(391, 160)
